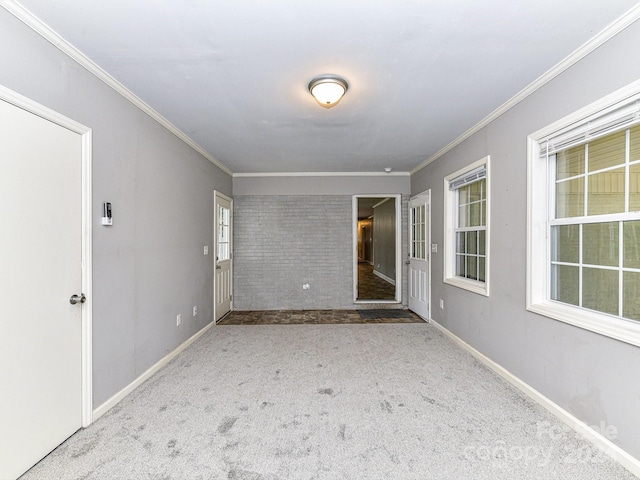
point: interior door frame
(35, 108)
(354, 229)
(427, 195)
(216, 194)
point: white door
(40, 268)
(222, 279)
(419, 256)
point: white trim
(627, 92)
(615, 452)
(448, 251)
(321, 174)
(384, 277)
(221, 195)
(380, 203)
(50, 35)
(354, 232)
(539, 196)
(56, 40)
(599, 39)
(29, 105)
(114, 400)
(87, 279)
(25, 103)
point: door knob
(77, 298)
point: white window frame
(614, 112)
(450, 222)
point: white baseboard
(619, 455)
(384, 277)
(113, 401)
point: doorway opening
(377, 245)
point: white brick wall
(283, 242)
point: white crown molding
(599, 39)
(322, 174)
(50, 35)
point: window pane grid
(470, 231)
(597, 190)
(611, 289)
(224, 252)
(418, 233)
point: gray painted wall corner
(587, 374)
(149, 265)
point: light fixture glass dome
(328, 89)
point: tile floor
(372, 287)
(293, 317)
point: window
(584, 219)
(467, 236)
(224, 252)
(418, 232)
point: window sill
(620, 329)
(476, 287)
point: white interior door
(223, 248)
(40, 268)
(419, 256)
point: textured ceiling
(233, 74)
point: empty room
(285, 240)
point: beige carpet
(326, 402)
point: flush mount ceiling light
(328, 89)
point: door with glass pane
(222, 279)
(419, 243)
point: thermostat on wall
(106, 214)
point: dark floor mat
(385, 313)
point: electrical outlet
(178, 320)
(306, 286)
(434, 248)
(206, 249)
(442, 304)
(195, 310)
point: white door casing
(223, 256)
(420, 255)
(46, 250)
(397, 198)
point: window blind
(468, 178)
(620, 116)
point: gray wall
(284, 238)
(283, 242)
(149, 266)
(592, 376)
(321, 185)
(384, 239)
